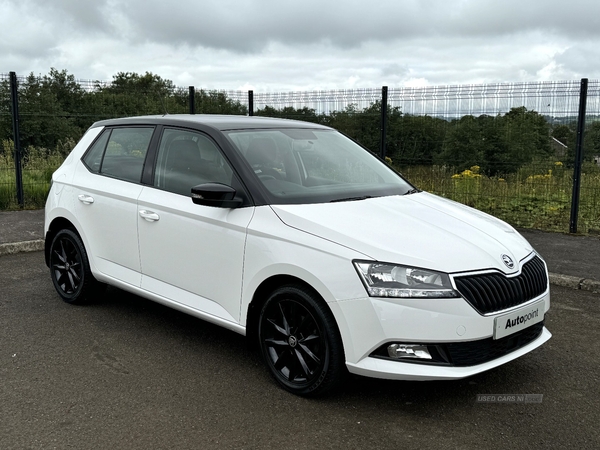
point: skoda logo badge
(508, 262)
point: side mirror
(215, 194)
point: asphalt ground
(127, 373)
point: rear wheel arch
(70, 269)
(59, 223)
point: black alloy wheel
(70, 269)
(300, 342)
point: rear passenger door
(107, 184)
(192, 254)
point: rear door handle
(150, 216)
(87, 199)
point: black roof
(218, 122)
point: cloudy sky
(289, 45)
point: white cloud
(273, 45)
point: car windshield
(315, 166)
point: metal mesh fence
(504, 148)
(8, 193)
(322, 102)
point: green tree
(498, 144)
(565, 134)
(496, 156)
(5, 113)
(131, 94)
(214, 102)
(462, 147)
(591, 141)
(50, 109)
(289, 112)
(527, 134)
(347, 121)
(414, 140)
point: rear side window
(120, 153)
(93, 158)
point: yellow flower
(558, 164)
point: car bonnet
(420, 230)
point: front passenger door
(192, 254)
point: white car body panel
(110, 223)
(420, 230)
(276, 249)
(193, 254)
(394, 370)
(375, 321)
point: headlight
(392, 280)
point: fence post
(16, 136)
(578, 155)
(384, 102)
(192, 100)
(250, 103)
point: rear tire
(70, 269)
(300, 342)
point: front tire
(300, 342)
(70, 269)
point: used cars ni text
(294, 235)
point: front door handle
(87, 199)
(150, 216)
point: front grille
(491, 292)
(478, 352)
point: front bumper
(398, 370)
(370, 323)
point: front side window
(187, 159)
(120, 153)
(314, 166)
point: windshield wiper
(412, 191)
(351, 199)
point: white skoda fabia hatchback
(296, 236)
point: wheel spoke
(277, 342)
(278, 328)
(75, 274)
(302, 362)
(280, 362)
(300, 327)
(71, 281)
(59, 279)
(58, 267)
(306, 350)
(64, 253)
(292, 368)
(285, 322)
(59, 256)
(312, 337)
